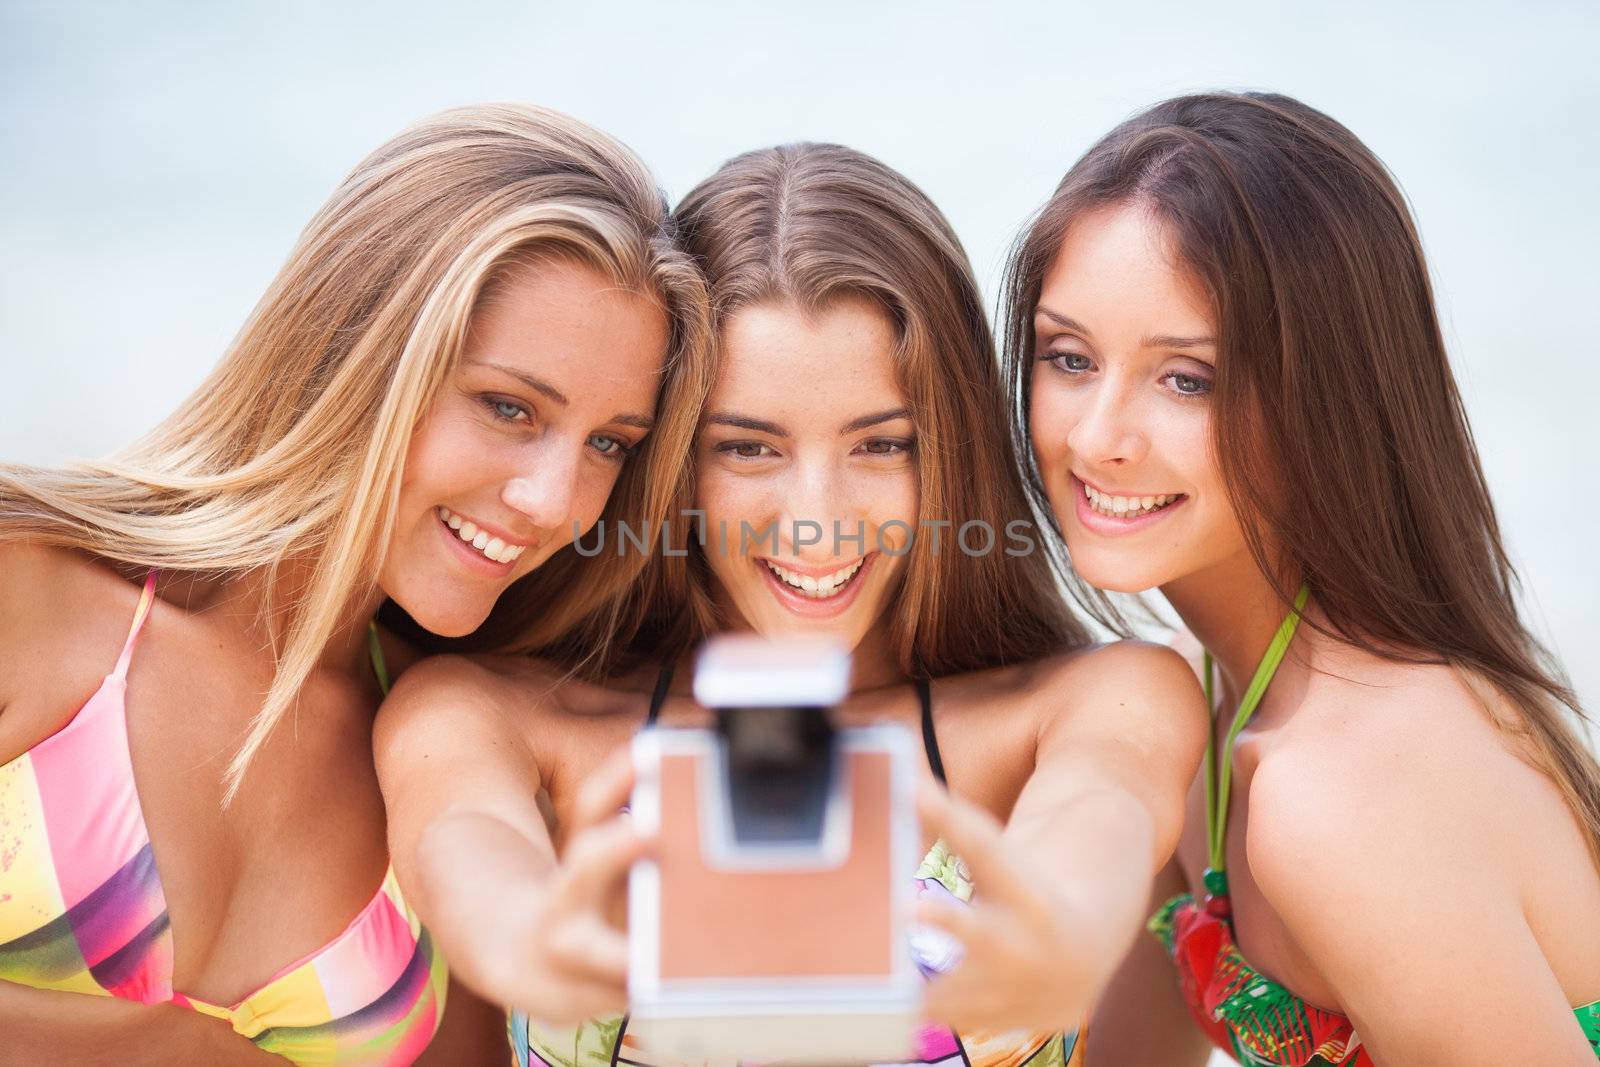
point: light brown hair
(1340, 432)
(813, 223)
(293, 447)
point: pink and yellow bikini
(82, 907)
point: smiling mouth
(823, 588)
(490, 548)
(1126, 507)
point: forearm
(477, 881)
(49, 1026)
(1094, 863)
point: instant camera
(771, 923)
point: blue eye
(608, 446)
(1069, 362)
(506, 410)
(1188, 384)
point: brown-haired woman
(1223, 346)
(856, 385)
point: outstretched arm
(475, 857)
(1063, 889)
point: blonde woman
(857, 389)
(454, 373)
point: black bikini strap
(930, 742)
(659, 697)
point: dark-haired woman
(1223, 341)
(846, 316)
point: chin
(449, 623)
(1115, 576)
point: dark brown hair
(1340, 432)
(812, 223)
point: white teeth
(816, 588)
(492, 547)
(1125, 507)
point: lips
(817, 586)
(814, 604)
(493, 547)
(1111, 514)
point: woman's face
(807, 433)
(1121, 406)
(555, 386)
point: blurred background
(160, 158)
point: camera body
(772, 922)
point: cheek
(896, 500)
(1051, 417)
(594, 493)
(728, 500)
(443, 457)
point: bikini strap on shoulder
(659, 696)
(146, 600)
(930, 740)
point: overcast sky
(160, 158)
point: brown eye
(745, 449)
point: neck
(871, 664)
(1233, 610)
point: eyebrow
(1159, 341)
(742, 422)
(872, 420)
(544, 388)
(1167, 341)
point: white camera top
(746, 671)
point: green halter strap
(380, 669)
(1219, 779)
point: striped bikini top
(1258, 1021)
(598, 1042)
(82, 908)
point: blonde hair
(813, 223)
(293, 447)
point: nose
(1108, 431)
(545, 489)
(813, 501)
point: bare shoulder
(1127, 666)
(540, 705)
(1386, 768)
(1135, 686)
(1132, 692)
(1141, 666)
(63, 616)
(450, 687)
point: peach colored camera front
(772, 923)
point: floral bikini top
(607, 1043)
(1246, 1014)
(82, 907)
